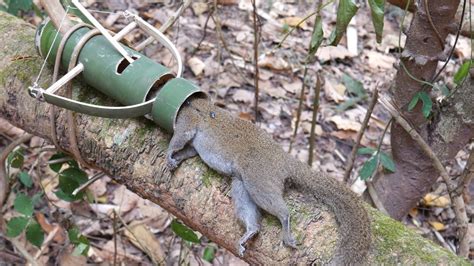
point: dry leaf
(437, 225)
(199, 8)
(345, 134)
(196, 65)
(227, 2)
(293, 86)
(378, 60)
(245, 96)
(274, 63)
(293, 22)
(59, 237)
(326, 53)
(246, 116)
(66, 258)
(334, 92)
(125, 199)
(433, 200)
(145, 240)
(344, 123)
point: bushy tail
(354, 224)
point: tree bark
(133, 153)
(451, 125)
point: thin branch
(312, 135)
(352, 156)
(459, 206)
(255, 56)
(4, 184)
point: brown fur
(260, 168)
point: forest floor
(221, 63)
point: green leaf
(209, 253)
(368, 168)
(25, 179)
(427, 103)
(366, 150)
(345, 11)
(16, 225)
(317, 36)
(413, 102)
(70, 179)
(35, 234)
(81, 249)
(16, 158)
(377, 11)
(81, 242)
(56, 166)
(23, 204)
(36, 198)
(387, 162)
(462, 72)
(14, 6)
(353, 86)
(184, 232)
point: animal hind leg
(270, 199)
(247, 212)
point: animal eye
(212, 114)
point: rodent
(260, 169)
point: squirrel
(260, 169)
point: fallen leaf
(294, 86)
(66, 258)
(334, 91)
(199, 8)
(433, 200)
(141, 236)
(59, 237)
(293, 22)
(242, 95)
(246, 116)
(437, 225)
(326, 53)
(344, 123)
(344, 134)
(378, 60)
(196, 65)
(125, 199)
(274, 63)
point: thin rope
(51, 48)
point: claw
(241, 250)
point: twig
(211, 11)
(4, 184)
(352, 156)
(88, 183)
(48, 239)
(255, 56)
(23, 252)
(375, 198)
(459, 206)
(217, 21)
(166, 26)
(430, 20)
(312, 134)
(114, 226)
(56, 12)
(300, 108)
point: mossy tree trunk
(133, 153)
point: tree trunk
(448, 129)
(133, 153)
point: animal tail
(354, 224)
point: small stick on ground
(255, 56)
(312, 134)
(459, 206)
(4, 184)
(352, 156)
